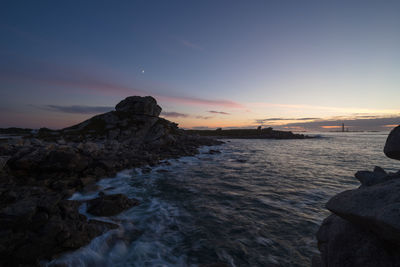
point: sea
(256, 203)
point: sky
(295, 65)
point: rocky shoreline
(39, 172)
(364, 227)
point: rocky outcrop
(132, 135)
(376, 208)
(392, 146)
(364, 229)
(345, 244)
(37, 223)
(109, 205)
(139, 106)
(377, 176)
(39, 172)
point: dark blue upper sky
(251, 59)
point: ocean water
(257, 203)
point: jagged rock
(392, 145)
(109, 205)
(376, 208)
(18, 214)
(90, 148)
(3, 161)
(378, 169)
(39, 225)
(343, 244)
(139, 106)
(316, 261)
(47, 160)
(64, 159)
(379, 175)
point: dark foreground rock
(39, 172)
(38, 224)
(109, 205)
(392, 146)
(376, 208)
(364, 229)
(343, 244)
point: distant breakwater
(260, 133)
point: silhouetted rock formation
(38, 173)
(343, 243)
(139, 106)
(392, 146)
(365, 227)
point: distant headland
(259, 133)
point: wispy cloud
(347, 110)
(284, 119)
(202, 102)
(33, 72)
(204, 117)
(192, 45)
(218, 112)
(78, 109)
(174, 114)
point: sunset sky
(298, 65)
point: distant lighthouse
(342, 127)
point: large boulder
(139, 106)
(376, 208)
(392, 146)
(37, 224)
(109, 205)
(343, 244)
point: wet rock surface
(364, 229)
(109, 205)
(40, 171)
(37, 223)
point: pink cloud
(201, 102)
(60, 76)
(204, 117)
(218, 112)
(173, 114)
